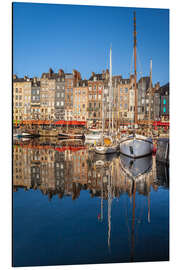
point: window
(57, 103)
(126, 90)
(94, 87)
(164, 101)
(62, 103)
(164, 109)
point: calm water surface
(71, 206)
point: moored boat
(136, 146)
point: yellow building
(80, 101)
(47, 95)
(21, 98)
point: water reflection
(65, 168)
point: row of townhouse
(66, 96)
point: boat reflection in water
(136, 167)
(64, 169)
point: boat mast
(135, 74)
(111, 88)
(102, 114)
(150, 93)
(110, 92)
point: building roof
(82, 83)
(164, 89)
(99, 77)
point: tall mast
(102, 114)
(135, 74)
(110, 91)
(150, 93)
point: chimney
(61, 72)
(50, 72)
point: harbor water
(72, 206)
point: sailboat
(136, 145)
(108, 145)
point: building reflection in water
(65, 169)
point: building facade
(60, 96)
(95, 88)
(35, 99)
(80, 100)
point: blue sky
(79, 37)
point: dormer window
(95, 78)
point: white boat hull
(136, 146)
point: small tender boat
(136, 146)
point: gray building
(35, 99)
(143, 99)
(59, 102)
(156, 106)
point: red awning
(73, 122)
(159, 123)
